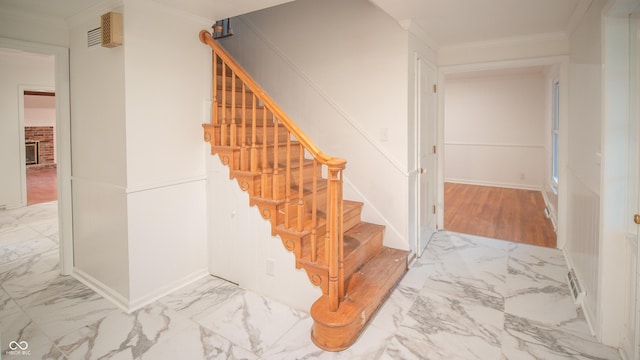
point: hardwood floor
(42, 186)
(500, 213)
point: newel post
(334, 229)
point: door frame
(63, 141)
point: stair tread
(354, 239)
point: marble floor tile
(252, 321)
(526, 339)
(438, 327)
(8, 222)
(466, 297)
(201, 296)
(35, 214)
(197, 342)
(26, 276)
(124, 336)
(394, 311)
(16, 251)
(297, 344)
(536, 266)
(18, 327)
(64, 306)
(18, 235)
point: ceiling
(452, 22)
(445, 22)
(208, 9)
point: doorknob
(423, 170)
(636, 219)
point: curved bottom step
(367, 289)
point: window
(555, 127)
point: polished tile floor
(466, 298)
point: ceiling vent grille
(94, 37)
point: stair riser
(358, 258)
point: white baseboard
(102, 289)
(494, 184)
(128, 305)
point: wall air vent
(111, 24)
(94, 37)
(574, 286)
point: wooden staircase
(282, 170)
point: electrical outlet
(271, 267)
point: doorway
(495, 139)
(38, 121)
(63, 140)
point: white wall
(39, 110)
(139, 174)
(167, 77)
(101, 255)
(582, 169)
(495, 129)
(341, 81)
(17, 69)
(617, 150)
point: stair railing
(276, 178)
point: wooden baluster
(223, 125)
(254, 149)
(301, 190)
(214, 100)
(244, 156)
(263, 186)
(287, 185)
(336, 270)
(233, 135)
(341, 280)
(314, 219)
(276, 165)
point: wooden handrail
(311, 147)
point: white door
(426, 157)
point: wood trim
(39, 93)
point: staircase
(282, 170)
